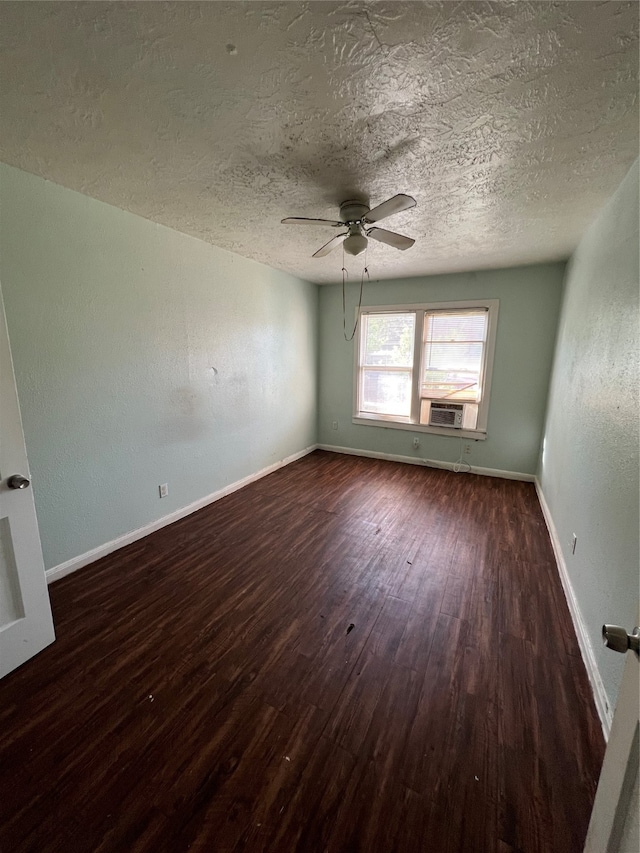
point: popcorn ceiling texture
(511, 123)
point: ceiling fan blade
(389, 207)
(399, 241)
(330, 246)
(302, 220)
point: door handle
(17, 481)
(616, 638)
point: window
(387, 364)
(426, 366)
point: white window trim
(412, 423)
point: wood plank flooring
(205, 693)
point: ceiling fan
(355, 217)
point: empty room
(319, 430)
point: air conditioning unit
(446, 414)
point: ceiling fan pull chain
(344, 307)
(344, 298)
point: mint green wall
(115, 326)
(589, 468)
(529, 306)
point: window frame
(412, 422)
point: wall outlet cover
(164, 490)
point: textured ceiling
(511, 123)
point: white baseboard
(429, 463)
(82, 560)
(586, 649)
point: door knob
(616, 638)
(17, 481)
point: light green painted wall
(589, 468)
(529, 305)
(115, 326)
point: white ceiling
(511, 123)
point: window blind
(453, 357)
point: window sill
(387, 423)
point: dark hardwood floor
(205, 692)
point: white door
(26, 625)
(614, 826)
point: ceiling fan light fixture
(355, 244)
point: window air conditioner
(446, 414)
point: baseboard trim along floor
(429, 463)
(586, 649)
(79, 562)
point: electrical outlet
(467, 448)
(334, 425)
(574, 542)
(416, 443)
(164, 490)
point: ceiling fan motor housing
(353, 211)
